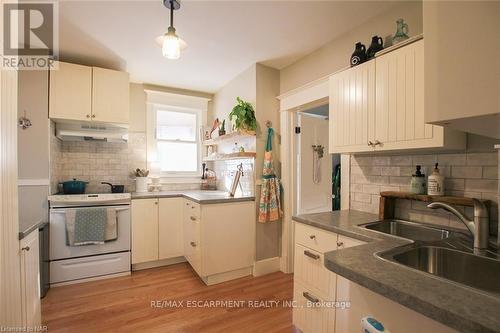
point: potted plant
(222, 130)
(244, 116)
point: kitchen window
(177, 141)
(174, 140)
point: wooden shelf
(227, 137)
(232, 156)
(388, 201)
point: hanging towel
(270, 195)
(90, 226)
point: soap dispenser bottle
(435, 183)
(417, 184)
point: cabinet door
(399, 112)
(311, 317)
(144, 230)
(110, 96)
(70, 92)
(170, 228)
(352, 109)
(30, 280)
(394, 317)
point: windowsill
(179, 180)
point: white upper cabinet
(70, 93)
(352, 109)
(462, 65)
(82, 93)
(110, 96)
(387, 112)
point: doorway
(317, 172)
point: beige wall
(336, 54)
(258, 85)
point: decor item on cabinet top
(359, 54)
(376, 45)
(222, 129)
(417, 183)
(243, 116)
(141, 180)
(270, 193)
(435, 183)
(210, 181)
(401, 32)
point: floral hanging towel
(270, 203)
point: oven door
(60, 250)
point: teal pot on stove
(73, 186)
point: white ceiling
(224, 37)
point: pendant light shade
(171, 44)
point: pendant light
(171, 44)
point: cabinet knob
(340, 244)
(88, 116)
(192, 218)
(193, 244)
(93, 116)
(377, 143)
(312, 236)
(370, 143)
(26, 248)
(156, 202)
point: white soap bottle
(435, 183)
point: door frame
(311, 95)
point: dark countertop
(198, 196)
(461, 308)
(26, 227)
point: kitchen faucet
(479, 227)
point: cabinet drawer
(310, 271)
(315, 238)
(192, 210)
(308, 316)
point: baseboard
(266, 266)
(226, 276)
(158, 263)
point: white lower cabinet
(30, 280)
(328, 303)
(315, 286)
(394, 317)
(219, 239)
(157, 229)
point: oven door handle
(63, 211)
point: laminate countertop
(460, 308)
(198, 196)
(26, 227)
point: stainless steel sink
(465, 268)
(409, 230)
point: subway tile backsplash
(467, 174)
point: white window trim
(179, 103)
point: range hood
(94, 132)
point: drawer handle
(312, 236)
(26, 248)
(310, 297)
(192, 218)
(377, 143)
(311, 255)
(193, 244)
(370, 143)
(340, 244)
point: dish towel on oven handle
(270, 193)
(90, 226)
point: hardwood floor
(123, 304)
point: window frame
(197, 141)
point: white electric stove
(72, 264)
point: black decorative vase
(359, 55)
(376, 45)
